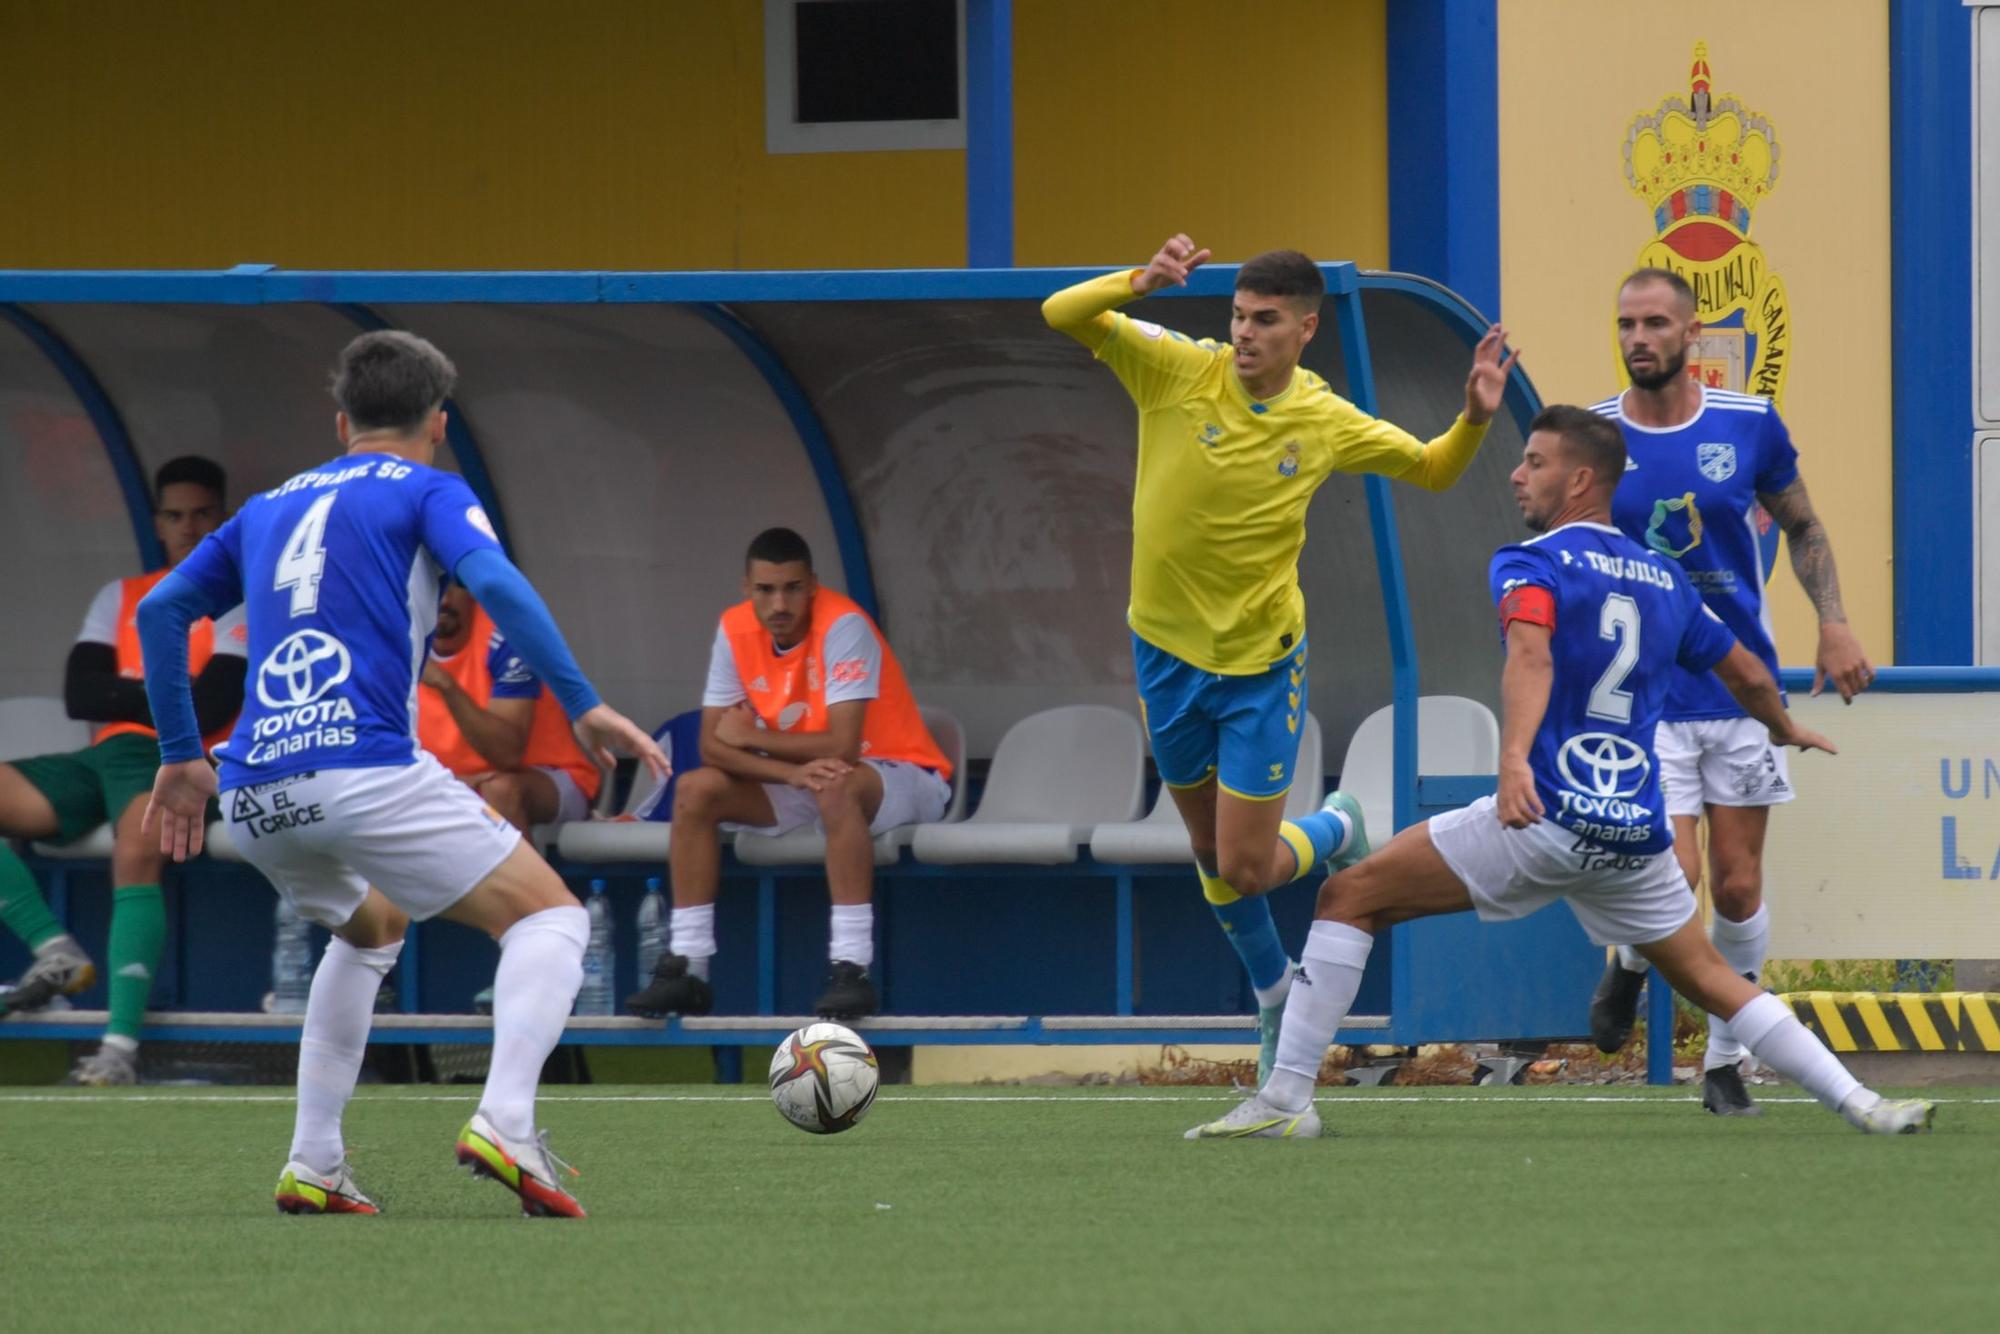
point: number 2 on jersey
(303, 560)
(1619, 620)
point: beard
(1668, 371)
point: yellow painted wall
(1251, 126)
(440, 134)
(1573, 75)
(452, 134)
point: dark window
(877, 60)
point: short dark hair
(391, 380)
(1667, 276)
(1282, 273)
(191, 468)
(1592, 441)
(779, 546)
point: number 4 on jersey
(303, 560)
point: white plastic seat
(1161, 838)
(805, 847)
(1055, 776)
(606, 841)
(1455, 735)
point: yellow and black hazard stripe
(1900, 1021)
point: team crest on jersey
(1210, 434)
(1675, 528)
(1717, 461)
(1288, 466)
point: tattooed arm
(1840, 658)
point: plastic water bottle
(291, 962)
(652, 928)
(594, 996)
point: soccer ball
(823, 1078)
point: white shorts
(911, 794)
(1619, 898)
(412, 831)
(1720, 762)
(571, 804)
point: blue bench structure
(1088, 952)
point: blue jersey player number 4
(339, 571)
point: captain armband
(1525, 602)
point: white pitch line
(1366, 1100)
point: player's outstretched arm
(1525, 683)
(182, 788)
(1436, 464)
(1084, 310)
(1750, 682)
(1840, 659)
(524, 618)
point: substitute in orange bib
(806, 718)
(489, 719)
(66, 796)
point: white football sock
(1323, 991)
(1742, 946)
(340, 1007)
(1771, 1031)
(691, 932)
(541, 967)
(853, 935)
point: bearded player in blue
(324, 785)
(1705, 468)
(1595, 627)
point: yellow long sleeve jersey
(1219, 506)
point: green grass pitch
(1008, 1209)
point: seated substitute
(489, 719)
(806, 719)
(66, 796)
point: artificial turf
(1008, 1209)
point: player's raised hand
(1516, 802)
(179, 807)
(1841, 661)
(1171, 266)
(604, 731)
(1487, 384)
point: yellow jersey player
(1233, 441)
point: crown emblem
(1701, 157)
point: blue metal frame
(731, 287)
(110, 428)
(1930, 343)
(1444, 144)
(989, 133)
(707, 293)
(792, 396)
(457, 433)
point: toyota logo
(306, 665)
(1604, 765)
